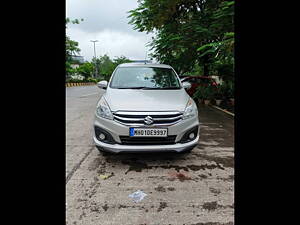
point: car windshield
(144, 78)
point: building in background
(77, 60)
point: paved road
(195, 188)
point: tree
(86, 69)
(75, 21)
(106, 66)
(119, 60)
(188, 32)
(71, 48)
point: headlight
(190, 110)
(103, 109)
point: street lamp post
(95, 58)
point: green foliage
(218, 93)
(106, 66)
(197, 70)
(119, 60)
(189, 33)
(231, 89)
(199, 93)
(68, 68)
(209, 92)
(204, 92)
(92, 80)
(75, 21)
(224, 91)
(71, 48)
(224, 70)
(227, 89)
(86, 69)
(76, 78)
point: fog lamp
(192, 135)
(102, 136)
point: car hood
(146, 100)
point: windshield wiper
(163, 88)
(170, 88)
(131, 87)
(149, 88)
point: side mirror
(102, 84)
(186, 85)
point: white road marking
(89, 94)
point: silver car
(145, 108)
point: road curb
(223, 110)
(78, 84)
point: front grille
(126, 140)
(137, 118)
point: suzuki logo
(148, 120)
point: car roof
(144, 65)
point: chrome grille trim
(145, 125)
(130, 118)
(148, 113)
(171, 118)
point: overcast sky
(106, 21)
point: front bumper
(116, 129)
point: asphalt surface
(190, 189)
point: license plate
(148, 132)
